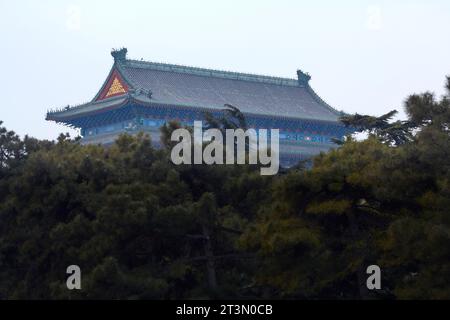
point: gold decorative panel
(116, 88)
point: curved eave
(120, 101)
(89, 108)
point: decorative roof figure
(303, 78)
(119, 54)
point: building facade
(142, 96)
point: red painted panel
(115, 86)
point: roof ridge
(233, 75)
(321, 101)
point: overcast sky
(364, 56)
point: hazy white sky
(364, 56)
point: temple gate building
(143, 96)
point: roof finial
(119, 54)
(303, 77)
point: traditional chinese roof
(153, 83)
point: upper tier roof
(207, 89)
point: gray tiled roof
(173, 84)
(209, 89)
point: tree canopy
(141, 227)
